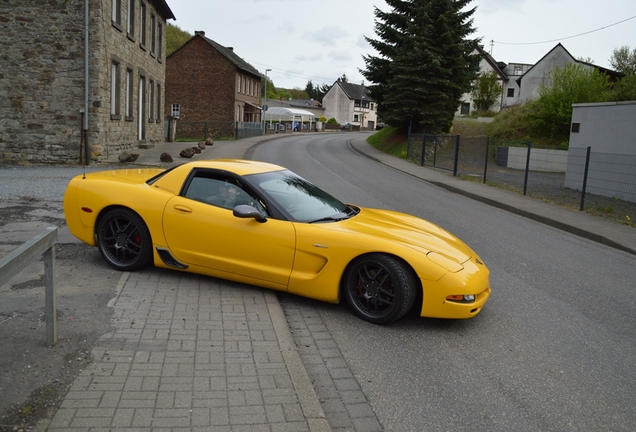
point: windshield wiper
(335, 218)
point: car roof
(238, 166)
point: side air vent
(169, 260)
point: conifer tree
(425, 62)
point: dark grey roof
(162, 6)
(230, 55)
(355, 91)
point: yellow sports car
(261, 224)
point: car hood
(410, 231)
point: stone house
(350, 103)
(45, 92)
(207, 82)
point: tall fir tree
(425, 62)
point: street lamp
(264, 105)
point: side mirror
(245, 211)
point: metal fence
(608, 180)
(200, 131)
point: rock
(165, 157)
(128, 156)
(209, 141)
(201, 145)
(187, 152)
(196, 149)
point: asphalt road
(554, 349)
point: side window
(222, 191)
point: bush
(568, 85)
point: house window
(151, 100)
(142, 108)
(518, 70)
(355, 118)
(175, 110)
(465, 108)
(371, 107)
(116, 14)
(129, 94)
(153, 34)
(114, 90)
(130, 25)
(158, 113)
(159, 41)
(142, 25)
(511, 92)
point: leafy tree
(624, 60)
(567, 85)
(624, 89)
(486, 90)
(175, 37)
(425, 62)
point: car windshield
(300, 199)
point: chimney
(199, 33)
(230, 48)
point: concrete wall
(609, 129)
(540, 159)
(537, 76)
(338, 105)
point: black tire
(123, 240)
(379, 288)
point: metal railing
(603, 178)
(40, 245)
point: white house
(350, 103)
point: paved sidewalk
(194, 353)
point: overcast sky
(303, 40)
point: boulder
(187, 152)
(196, 149)
(201, 145)
(128, 156)
(165, 157)
(209, 141)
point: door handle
(183, 209)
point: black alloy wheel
(379, 288)
(123, 240)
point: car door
(209, 235)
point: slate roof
(162, 6)
(229, 54)
(355, 91)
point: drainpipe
(85, 126)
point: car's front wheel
(123, 240)
(379, 288)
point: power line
(564, 38)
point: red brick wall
(202, 81)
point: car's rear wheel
(123, 240)
(379, 288)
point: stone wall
(42, 80)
